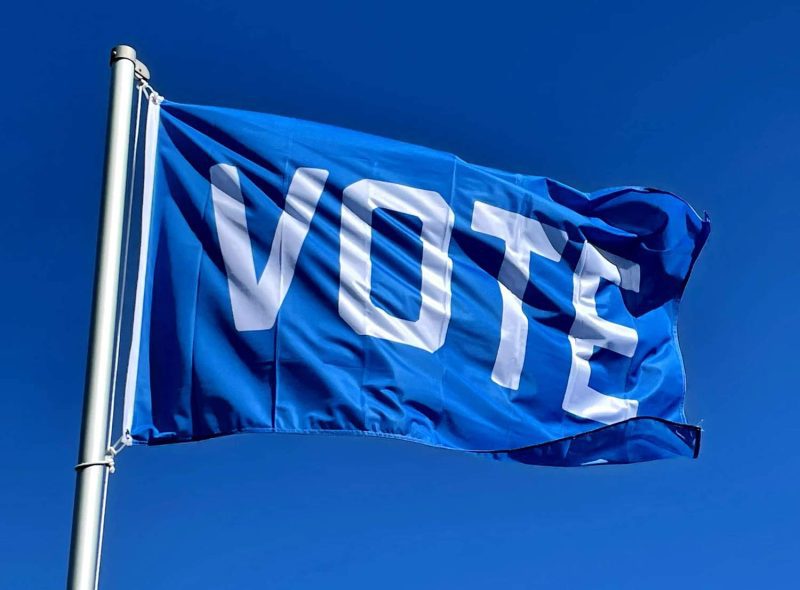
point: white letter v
(255, 302)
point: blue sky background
(699, 98)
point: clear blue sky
(699, 98)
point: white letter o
(359, 201)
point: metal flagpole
(94, 459)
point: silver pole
(93, 461)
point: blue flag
(300, 278)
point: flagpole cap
(123, 52)
(127, 52)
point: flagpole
(94, 460)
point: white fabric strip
(151, 139)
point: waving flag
(300, 278)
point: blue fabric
(199, 377)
